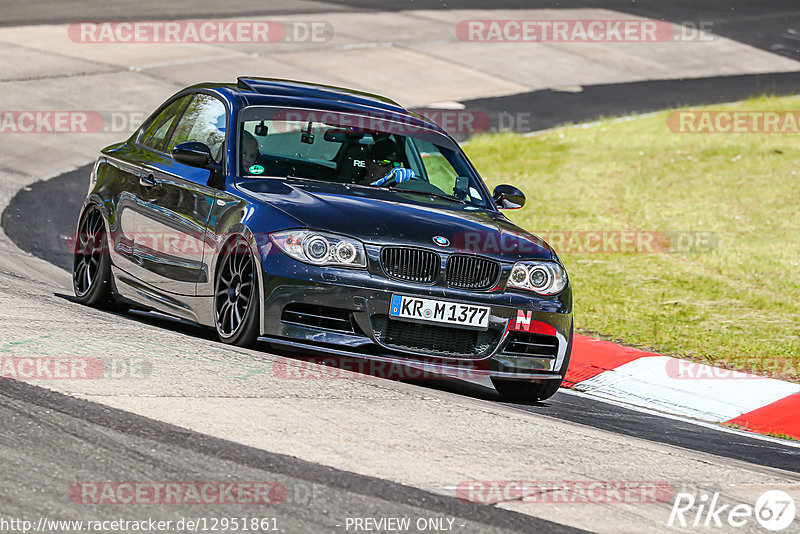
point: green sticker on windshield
(256, 169)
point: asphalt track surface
(771, 25)
(84, 441)
(40, 218)
(548, 108)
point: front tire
(236, 295)
(521, 391)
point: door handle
(148, 181)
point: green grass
(772, 434)
(735, 306)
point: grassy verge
(735, 304)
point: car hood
(381, 216)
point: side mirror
(194, 154)
(198, 154)
(508, 197)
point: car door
(175, 201)
(128, 160)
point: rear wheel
(91, 265)
(236, 296)
(521, 391)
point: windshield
(353, 149)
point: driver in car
(250, 151)
(386, 165)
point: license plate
(437, 311)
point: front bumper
(362, 298)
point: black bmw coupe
(324, 219)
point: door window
(155, 134)
(205, 122)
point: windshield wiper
(443, 196)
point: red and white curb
(671, 385)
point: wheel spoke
(97, 225)
(229, 264)
(236, 261)
(245, 294)
(231, 268)
(244, 266)
(224, 313)
(79, 281)
(230, 316)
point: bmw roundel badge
(441, 241)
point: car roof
(293, 93)
(277, 86)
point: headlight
(320, 249)
(543, 277)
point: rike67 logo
(774, 510)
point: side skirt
(195, 309)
